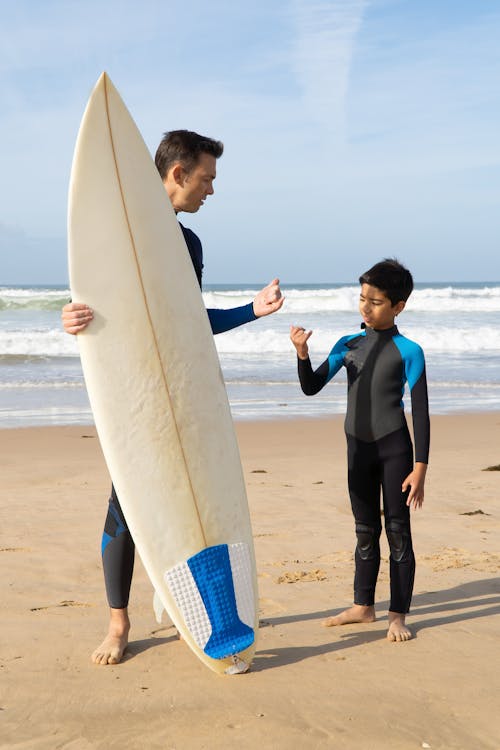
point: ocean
(457, 324)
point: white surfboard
(156, 389)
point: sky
(353, 129)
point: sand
(310, 687)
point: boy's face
(376, 309)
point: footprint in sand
(15, 549)
(453, 557)
(64, 603)
(302, 575)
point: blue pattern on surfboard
(211, 570)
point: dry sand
(310, 687)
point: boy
(379, 450)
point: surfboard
(156, 389)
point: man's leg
(118, 564)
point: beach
(309, 686)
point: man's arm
(266, 302)
(224, 320)
(76, 316)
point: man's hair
(185, 147)
(393, 279)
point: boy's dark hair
(393, 279)
(186, 147)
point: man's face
(192, 188)
(376, 309)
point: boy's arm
(312, 381)
(420, 416)
(421, 432)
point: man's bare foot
(113, 646)
(356, 613)
(397, 628)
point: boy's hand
(268, 300)
(75, 317)
(299, 337)
(415, 480)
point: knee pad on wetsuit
(367, 540)
(398, 536)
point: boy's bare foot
(113, 646)
(397, 628)
(356, 613)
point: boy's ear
(399, 307)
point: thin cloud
(326, 33)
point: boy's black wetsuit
(379, 448)
(118, 549)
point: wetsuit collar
(389, 332)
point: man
(186, 162)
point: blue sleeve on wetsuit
(312, 381)
(413, 359)
(224, 320)
(414, 364)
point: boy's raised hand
(299, 337)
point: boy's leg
(118, 564)
(397, 464)
(364, 491)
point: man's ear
(399, 307)
(178, 174)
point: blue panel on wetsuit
(413, 358)
(211, 570)
(119, 528)
(336, 356)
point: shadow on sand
(462, 603)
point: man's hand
(75, 317)
(268, 300)
(299, 337)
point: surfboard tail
(213, 591)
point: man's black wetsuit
(379, 448)
(118, 549)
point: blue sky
(353, 129)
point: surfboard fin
(158, 607)
(238, 666)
